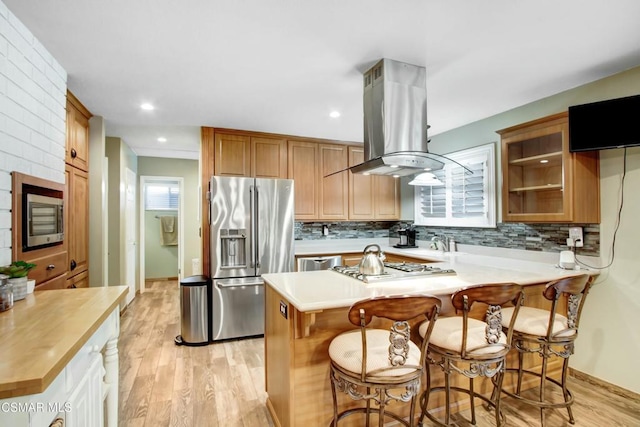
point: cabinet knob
(51, 266)
(73, 264)
(74, 153)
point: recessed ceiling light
(162, 139)
(334, 114)
(147, 106)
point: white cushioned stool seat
(346, 351)
(378, 363)
(535, 321)
(447, 334)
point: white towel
(168, 231)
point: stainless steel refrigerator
(251, 234)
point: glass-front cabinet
(542, 180)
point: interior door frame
(144, 180)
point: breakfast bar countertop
(320, 290)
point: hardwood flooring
(222, 384)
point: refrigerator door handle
(234, 283)
(252, 225)
(256, 216)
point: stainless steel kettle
(371, 262)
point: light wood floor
(222, 384)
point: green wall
(188, 170)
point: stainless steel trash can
(194, 311)
(318, 262)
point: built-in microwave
(43, 221)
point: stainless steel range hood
(395, 121)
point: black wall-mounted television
(614, 123)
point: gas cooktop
(393, 271)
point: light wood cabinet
(76, 194)
(542, 180)
(268, 157)
(333, 187)
(303, 169)
(319, 195)
(238, 154)
(232, 156)
(77, 140)
(372, 197)
(51, 261)
(77, 220)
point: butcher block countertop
(44, 331)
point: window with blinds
(464, 199)
(161, 196)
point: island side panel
(278, 347)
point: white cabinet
(84, 393)
(85, 402)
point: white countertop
(318, 290)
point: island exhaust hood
(395, 121)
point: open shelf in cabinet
(542, 180)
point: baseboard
(160, 279)
(623, 392)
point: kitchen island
(306, 310)
(60, 357)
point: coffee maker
(407, 238)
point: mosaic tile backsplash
(533, 237)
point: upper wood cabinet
(320, 195)
(372, 197)
(333, 187)
(238, 154)
(268, 157)
(541, 180)
(232, 156)
(303, 169)
(77, 139)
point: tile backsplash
(533, 237)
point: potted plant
(17, 272)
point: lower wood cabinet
(80, 280)
(58, 282)
(77, 220)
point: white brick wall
(33, 89)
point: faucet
(441, 243)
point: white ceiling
(282, 65)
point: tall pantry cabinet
(77, 193)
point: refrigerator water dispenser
(233, 244)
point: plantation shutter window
(464, 199)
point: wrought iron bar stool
(381, 365)
(549, 333)
(471, 347)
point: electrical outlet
(575, 234)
